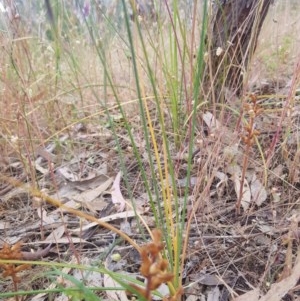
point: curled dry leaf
(211, 121)
(222, 183)
(86, 198)
(116, 194)
(109, 218)
(213, 294)
(253, 190)
(43, 215)
(117, 294)
(258, 191)
(246, 196)
(56, 234)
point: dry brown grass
(40, 104)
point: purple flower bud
(86, 9)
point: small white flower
(219, 51)
(14, 139)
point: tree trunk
(232, 39)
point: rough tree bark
(232, 39)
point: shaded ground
(247, 250)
